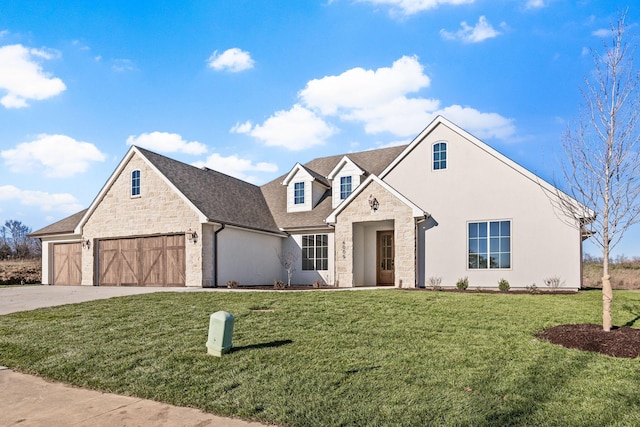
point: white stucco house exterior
(445, 206)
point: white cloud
(410, 7)
(602, 32)
(22, 77)
(359, 88)
(401, 116)
(123, 65)
(242, 127)
(233, 60)
(535, 4)
(467, 34)
(4, 33)
(377, 98)
(296, 129)
(57, 156)
(481, 125)
(235, 166)
(61, 202)
(167, 143)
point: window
(439, 156)
(489, 244)
(298, 193)
(315, 252)
(345, 187)
(135, 183)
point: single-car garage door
(142, 261)
(67, 267)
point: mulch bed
(619, 342)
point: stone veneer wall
(358, 211)
(158, 210)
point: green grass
(383, 357)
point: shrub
(553, 282)
(533, 289)
(232, 284)
(435, 282)
(503, 285)
(317, 284)
(463, 283)
(279, 284)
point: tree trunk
(607, 298)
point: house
(444, 207)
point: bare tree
(20, 241)
(602, 148)
(288, 261)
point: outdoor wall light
(373, 203)
(192, 236)
(86, 243)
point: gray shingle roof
(275, 194)
(220, 197)
(64, 226)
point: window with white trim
(439, 155)
(489, 245)
(298, 193)
(135, 183)
(315, 252)
(345, 187)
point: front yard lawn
(383, 357)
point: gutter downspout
(417, 243)
(215, 255)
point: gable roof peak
(315, 176)
(345, 159)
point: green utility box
(220, 333)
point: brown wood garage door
(67, 264)
(142, 261)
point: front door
(385, 264)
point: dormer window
(345, 187)
(439, 156)
(298, 193)
(135, 183)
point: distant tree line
(16, 243)
(620, 259)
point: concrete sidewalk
(27, 400)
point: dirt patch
(619, 342)
(20, 272)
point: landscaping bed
(619, 342)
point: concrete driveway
(23, 298)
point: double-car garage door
(142, 261)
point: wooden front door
(385, 258)
(67, 264)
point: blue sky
(251, 87)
